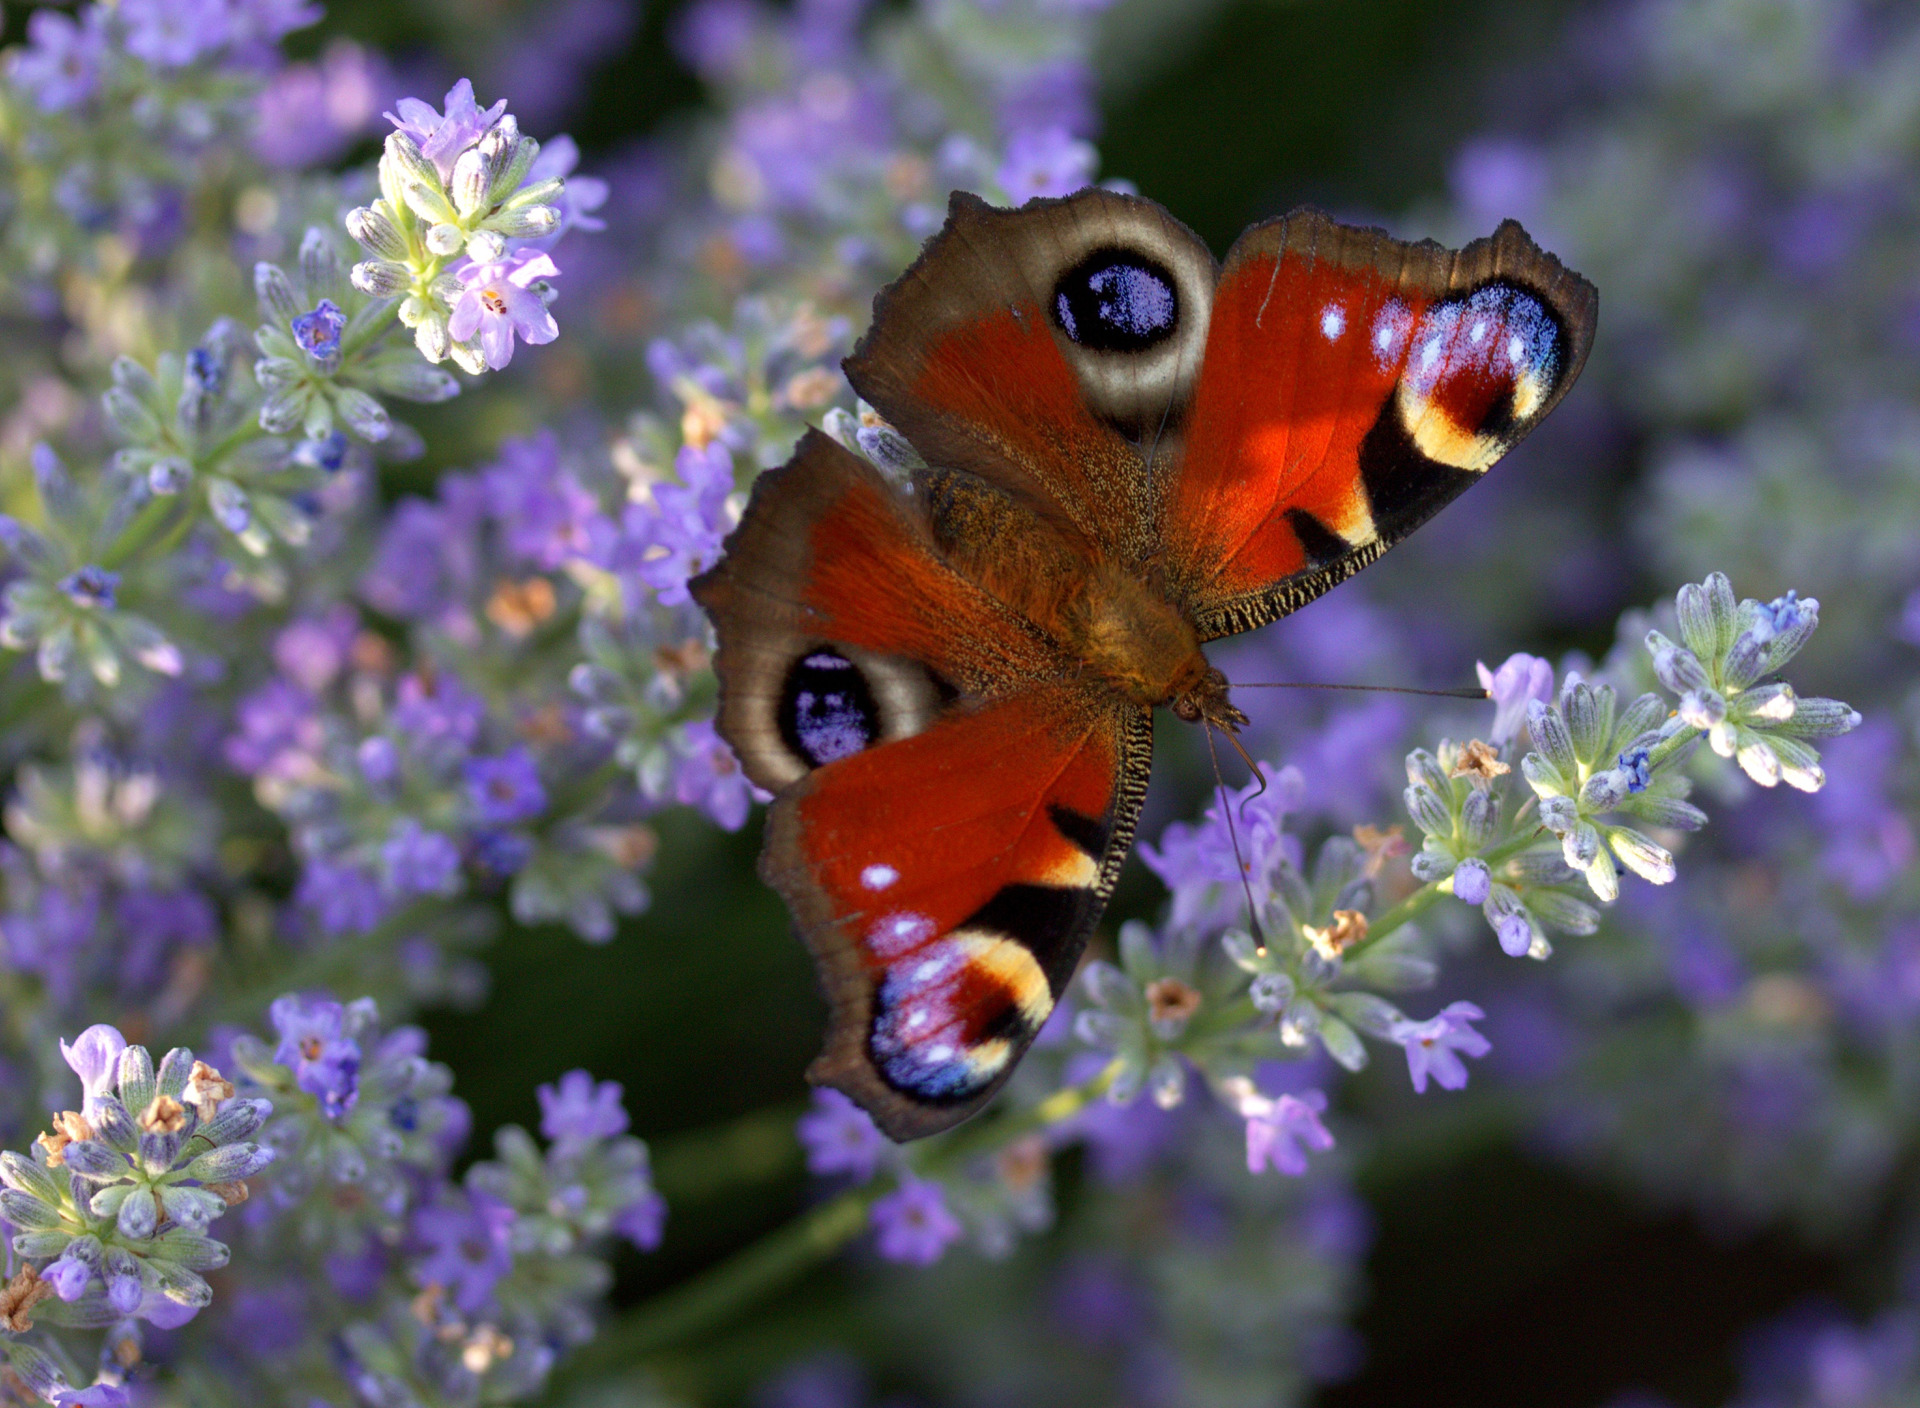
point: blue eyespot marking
(1117, 300)
(826, 709)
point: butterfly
(1130, 451)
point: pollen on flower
(1170, 1000)
(1379, 846)
(485, 1347)
(19, 1297)
(1022, 1164)
(1347, 928)
(519, 607)
(1479, 761)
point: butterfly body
(1131, 452)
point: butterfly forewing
(1353, 385)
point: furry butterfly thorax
(1131, 451)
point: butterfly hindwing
(947, 884)
(1353, 385)
(1042, 349)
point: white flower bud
(469, 184)
(445, 239)
(1640, 855)
(486, 246)
(381, 278)
(375, 230)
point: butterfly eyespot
(826, 709)
(1484, 363)
(1117, 300)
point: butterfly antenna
(1226, 810)
(1468, 693)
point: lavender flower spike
(913, 1224)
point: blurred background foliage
(1498, 1275)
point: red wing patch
(1352, 386)
(947, 882)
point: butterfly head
(1206, 702)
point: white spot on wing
(1333, 322)
(878, 877)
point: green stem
(134, 537)
(1422, 899)
(719, 1294)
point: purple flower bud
(1511, 924)
(68, 1277)
(1472, 880)
(1635, 765)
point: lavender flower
(465, 1247)
(579, 1112)
(498, 300)
(442, 137)
(677, 533)
(60, 66)
(505, 789)
(416, 861)
(1434, 1047)
(840, 1137)
(1280, 1132)
(324, 1062)
(1518, 681)
(318, 333)
(912, 1224)
(709, 777)
(1050, 161)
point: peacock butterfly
(1133, 451)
